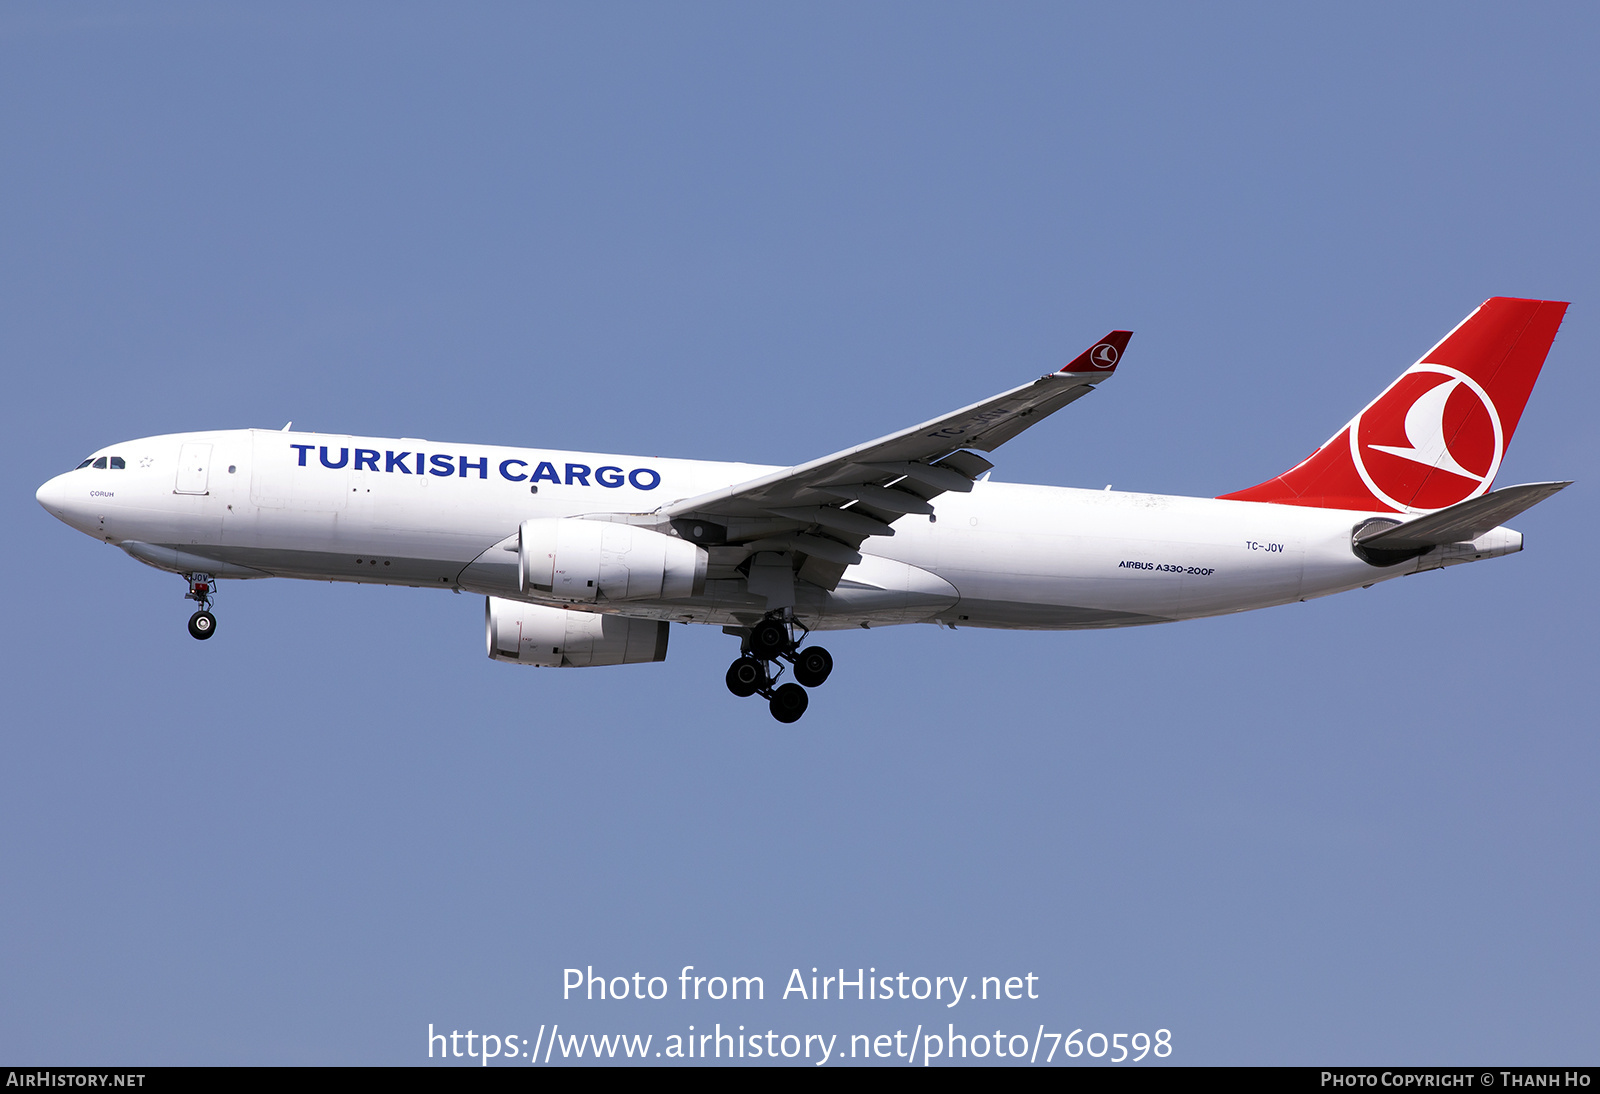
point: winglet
(1102, 357)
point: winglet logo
(1103, 356)
(1432, 440)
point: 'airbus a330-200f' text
(585, 559)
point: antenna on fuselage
(286, 426)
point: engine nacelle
(580, 561)
(532, 634)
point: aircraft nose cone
(53, 496)
(64, 499)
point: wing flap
(940, 478)
(829, 550)
(970, 464)
(887, 499)
(842, 520)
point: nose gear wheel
(202, 624)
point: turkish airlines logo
(1103, 356)
(1434, 438)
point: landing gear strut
(758, 668)
(202, 624)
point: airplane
(586, 559)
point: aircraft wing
(826, 508)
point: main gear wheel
(812, 666)
(747, 676)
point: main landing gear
(202, 587)
(770, 642)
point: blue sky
(1358, 830)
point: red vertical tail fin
(1436, 435)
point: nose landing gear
(758, 668)
(202, 624)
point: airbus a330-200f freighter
(586, 559)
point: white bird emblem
(1425, 431)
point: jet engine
(581, 561)
(532, 634)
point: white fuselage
(255, 503)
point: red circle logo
(1432, 440)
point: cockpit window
(117, 464)
(101, 463)
(84, 464)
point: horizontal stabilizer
(1460, 523)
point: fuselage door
(194, 469)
